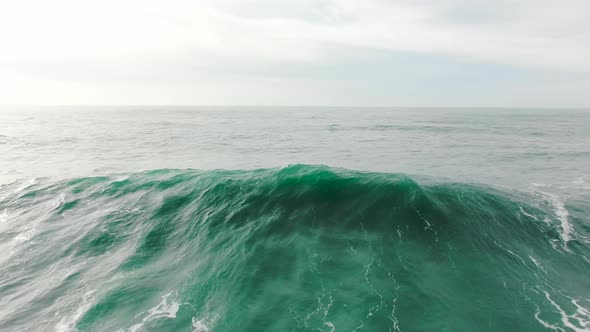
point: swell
(297, 248)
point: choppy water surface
(246, 219)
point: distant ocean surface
(294, 219)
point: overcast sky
(296, 52)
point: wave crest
(301, 247)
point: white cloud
(540, 33)
(50, 40)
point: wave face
(301, 248)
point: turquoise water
(418, 220)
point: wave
(295, 248)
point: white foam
(321, 306)
(394, 321)
(579, 181)
(374, 309)
(538, 264)
(203, 324)
(428, 225)
(59, 202)
(330, 325)
(27, 184)
(25, 236)
(162, 310)
(68, 323)
(546, 324)
(527, 214)
(199, 325)
(511, 253)
(562, 215)
(581, 316)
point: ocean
(294, 219)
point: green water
(298, 248)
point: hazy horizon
(275, 107)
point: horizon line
(300, 106)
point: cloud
(194, 42)
(526, 33)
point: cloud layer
(268, 51)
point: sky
(502, 53)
